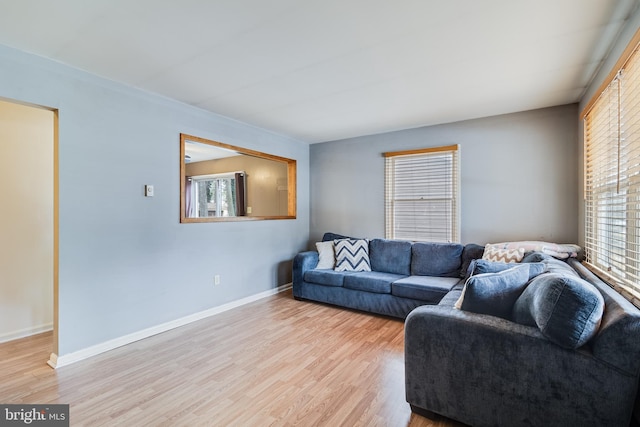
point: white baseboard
(26, 332)
(56, 361)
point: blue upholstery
(481, 266)
(469, 253)
(484, 370)
(495, 293)
(566, 309)
(552, 265)
(371, 281)
(390, 256)
(329, 237)
(385, 304)
(392, 261)
(326, 277)
(436, 259)
(427, 288)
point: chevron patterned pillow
(492, 253)
(352, 255)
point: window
(216, 195)
(421, 195)
(612, 177)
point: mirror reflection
(220, 182)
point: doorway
(28, 230)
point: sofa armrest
(303, 262)
(617, 340)
(484, 370)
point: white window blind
(421, 195)
(612, 180)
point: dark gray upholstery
(566, 309)
(495, 293)
(481, 266)
(436, 259)
(470, 252)
(483, 370)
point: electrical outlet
(216, 279)
(148, 190)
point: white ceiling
(319, 70)
(199, 152)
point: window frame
(612, 176)
(217, 178)
(451, 189)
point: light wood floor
(275, 362)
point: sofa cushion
(330, 237)
(566, 309)
(326, 256)
(390, 256)
(494, 293)
(436, 259)
(535, 257)
(425, 288)
(481, 266)
(470, 252)
(325, 277)
(450, 299)
(352, 255)
(371, 281)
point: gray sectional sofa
(404, 276)
(572, 357)
(485, 370)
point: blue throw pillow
(494, 293)
(566, 309)
(481, 266)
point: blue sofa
(484, 370)
(404, 276)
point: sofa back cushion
(436, 259)
(470, 252)
(390, 256)
(330, 237)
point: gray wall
(519, 177)
(126, 263)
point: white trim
(56, 361)
(26, 332)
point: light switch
(148, 190)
